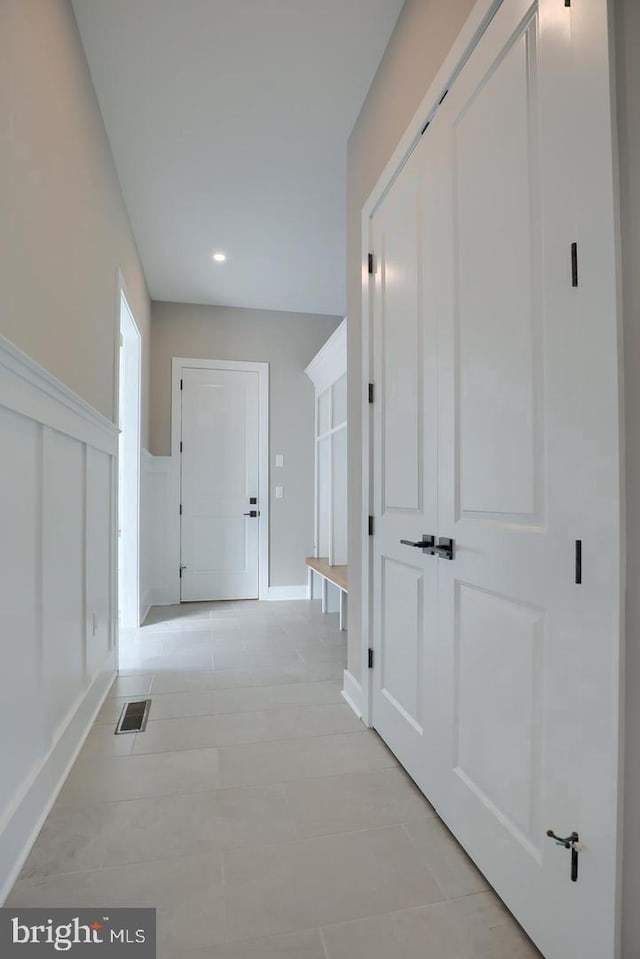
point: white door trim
(123, 300)
(178, 365)
(475, 25)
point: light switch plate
(279, 459)
(279, 492)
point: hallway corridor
(256, 812)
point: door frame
(178, 365)
(123, 300)
(473, 29)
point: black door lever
(426, 544)
(443, 548)
(252, 512)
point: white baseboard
(352, 693)
(278, 593)
(20, 830)
(162, 597)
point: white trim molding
(178, 365)
(157, 573)
(58, 489)
(280, 593)
(352, 693)
(330, 362)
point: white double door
(220, 431)
(496, 426)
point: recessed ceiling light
(219, 257)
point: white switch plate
(279, 459)
(279, 492)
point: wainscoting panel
(99, 559)
(63, 497)
(57, 590)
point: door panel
(497, 257)
(401, 359)
(402, 603)
(220, 430)
(405, 474)
(497, 659)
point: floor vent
(133, 718)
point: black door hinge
(371, 392)
(370, 659)
(371, 526)
(181, 446)
(567, 3)
(372, 264)
(181, 509)
(181, 386)
(578, 562)
(180, 571)
(574, 264)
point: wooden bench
(337, 575)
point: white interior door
(220, 477)
(496, 678)
(405, 470)
(528, 660)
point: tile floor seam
(393, 912)
(226, 850)
(126, 675)
(226, 712)
(200, 792)
(445, 897)
(257, 709)
(248, 742)
(324, 944)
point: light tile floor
(256, 813)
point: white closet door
(405, 472)
(528, 454)
(220, 474)
(496, 673)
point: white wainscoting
(58, 631)
(160, 537)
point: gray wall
(63, 225)
(628, 102)
(423, 35)
(287, 341)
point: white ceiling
(229, 120)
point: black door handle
(252, 512)
(426, 544)
(444, 547)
